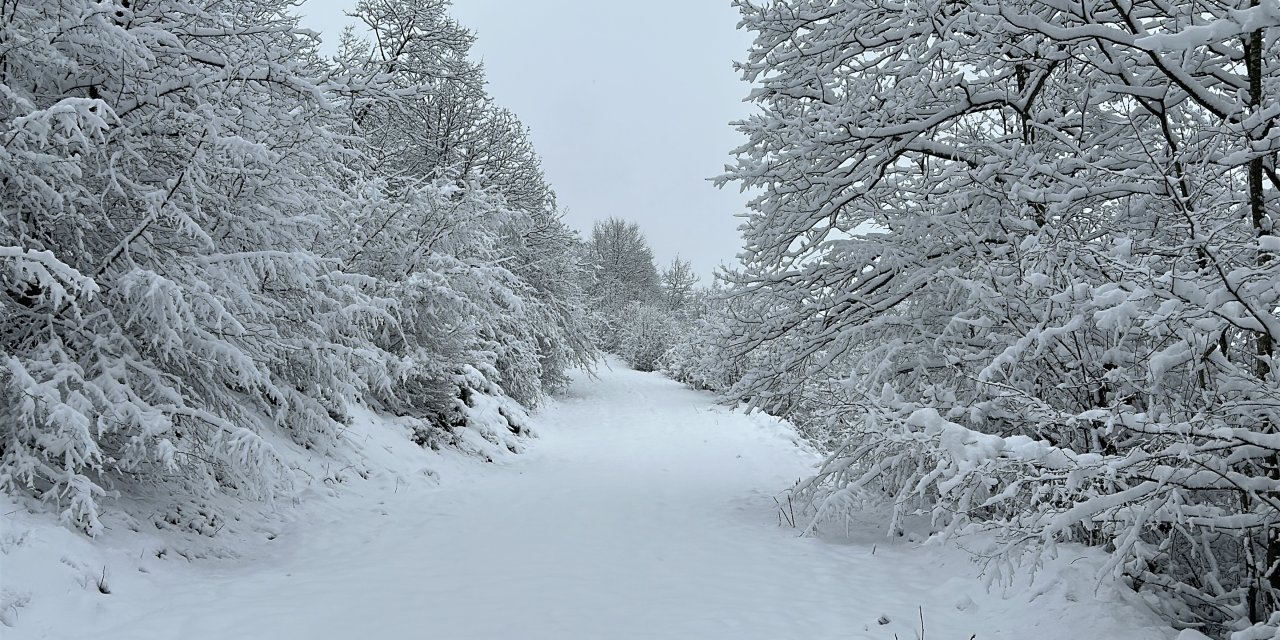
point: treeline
(665, 319)
(212, 239)
(638, 311)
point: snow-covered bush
(699, 355)
(480, 418)
(646, 334)
(658, 332)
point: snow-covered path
(642, 511)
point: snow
(641, 511)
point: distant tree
(678, 282)
(624, 273)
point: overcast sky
(629, 105)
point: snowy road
(642, 511)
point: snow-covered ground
(641, 511)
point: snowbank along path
(641, 511)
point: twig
(783, 515)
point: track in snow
(641, 511)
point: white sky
(628, 103)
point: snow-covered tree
(1033, 242)
(649, 328)
(471, 222)
(163, 167)
(678, 282)
(547, 257)
(211, 240)
(624, 274)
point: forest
(1010, 267)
